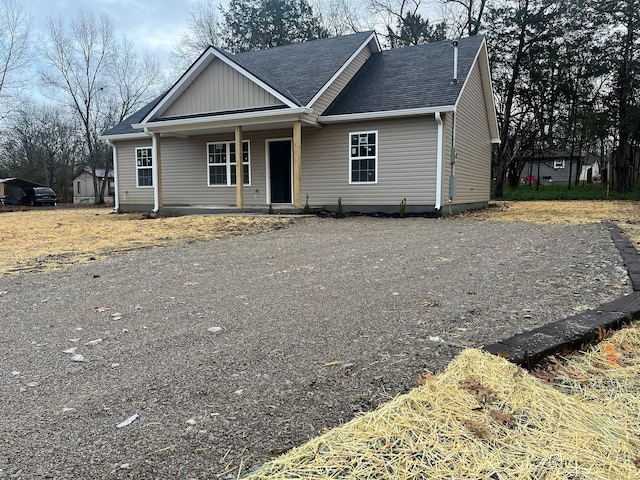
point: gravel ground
(318, 322)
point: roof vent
(455, 61)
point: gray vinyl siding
(406, 163)
(547, 173)
(128, 192)
(339, 83)
(220, 88)
(473, 143)
(406, 167)
(185, 170)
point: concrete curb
(529, 348)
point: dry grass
(485, 418)
(49, 239)
(625, 213)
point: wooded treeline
(565, 74)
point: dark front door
(280, 170)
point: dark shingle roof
(404, 78)
(297, 71)
(301, 69)
(125, 127)
(407, 78)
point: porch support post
(156, 171)
(239, 169)
(297, 164)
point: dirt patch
(43, 239)
(51, 239)
(229, 352)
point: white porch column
(239, 169)
(156, 171)
(297, 164)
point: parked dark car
(10, 200)
(39, 196)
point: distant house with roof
(318, 122)
(559, 166)
(84, 190)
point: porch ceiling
(212, 129)
(186, 127)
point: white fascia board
(487, 87)
(245, 117)
(195, 69)
(466, 80)
(344, 66)
(205, 60)
(123, 136)
(351, 117)
(488, 92)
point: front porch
(282, 159)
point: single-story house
(556, 164)
(323, 122)
(84, 190)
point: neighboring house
(323, 121)
(557, 165)
(83, 188)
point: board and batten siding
(128, 192)
(185, 170)
(220, 88)
(473, 143)
(330, 94)
(406, 163)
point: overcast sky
(153, 25)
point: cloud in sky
(151, 25)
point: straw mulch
(485, 418)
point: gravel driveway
(318, 322)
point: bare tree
(133, 80)
(466, 16)
(43, 145)
(342, 17)
(15, 29)
(203, 30)
(99, 79)
(404, 22)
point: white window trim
(228, 164)
(375, 157)
(146, 168)
(558, 164)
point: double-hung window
(363, 157)
(221, 163)
(557, 164)
(144, 167)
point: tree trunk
(503, 161)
